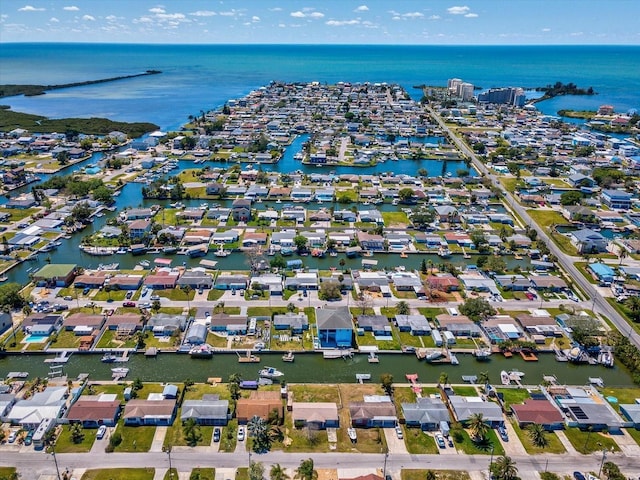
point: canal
(313, 368)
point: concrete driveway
(394, 444)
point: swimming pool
(36, 339)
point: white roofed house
(47, 404)
(315, 238)
(209, 410)
(315, 415)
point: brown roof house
(149, 412)
(95, 410)
(259, 404)
(315, 415)
(374, 411)
(83, 323)
(540, 411)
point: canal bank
(311, 367)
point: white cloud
(230, 13)
(316, 15)
(54, 20)
(435, 17)
(471, 15)
(111, 18)
(71, 8)
(275, 9)
(458, 10)
(413, 15)
(303, 14)
(546, 29)
(30, 8)
(203, 13)
(282, 25)
(143, 20)
(171, 16)
(576, 34)
(88, 18)
(157, 10)
(342, 23)
(298, 14)
(362, 8)
(255, 18)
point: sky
(402, 22)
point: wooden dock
(528, 356)
(63, 357)
(151, 352)
(248, 358)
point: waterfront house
(227, 236)
(209, 410)
(586, 408)
(196, 334)
(549, 283)
(301, 280)
(83, 323)
(374, 411)
(315, 239)
(398, 239)
(335, 328)
(426, 413)
(539, 411)
(447, 214)
(259, 404)
(601, 272)
(345, 216)
(301, 194)
(126, 282)
(164, 324)
(139, 412)
(6, 322)
(444, 282)
(416, 324)
(315, 415)
(539, 325)
(214, 188)
(231, 324)
(406, 282)
(137, 214)
(251, 239)
(371, 216)
(588, 241)
(464, 408)
(515, 282)
(231, 282)
(370, 241)
(195, 279)
(241, 210)
(124, 323)
(55, 275)
(96, 280)
(631, 411)
(283, 238)
(41, 323)
(296, 322)
(199, 236)
(377, 324)
(269, 282)
(94, 410)
(191, 214)
(29, 413)
(7, 400)
(161, 280)
(616, 199)
(297, 214)
(372, 281)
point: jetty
(469, 378)
(17, 375)
(528, 356)
(362, 377)
(62, 357)
(346, 353)
(151, 352)
(248, 358)
(373, 358)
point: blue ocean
(197, 78)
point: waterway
(313, 368)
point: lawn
(554, 446)
(64, 444)
(419, 442)
(265, 311)
(7, 472)
(304, 439)
(242, 473)
(582, 266)
(635, 434)
(513, 396)
(216, 340)
(546, 218)
(214, 294)
(135, 439)
(315, 393)
(110, 388)
(120, 474)
(65, 339)
(203, 473)
(395, 219)
(430, 312)
(175, 434)
(590, 442)
(414, 340)
(170, 474)
(176, 294)
(369, 340)
(624, 395)
(228, 437)
(466, 391)
(108, 340)
(410, 474)
(466, 445)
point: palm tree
(504, 468)
(191, 432)
(306, 471)
(259, 433)
(483, 378)
(478, 427)
(443, 379)
(402, 307)
(633, 304)
(537, 435)
(278, 473)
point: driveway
(514, 445)
(394, 444)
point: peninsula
(10, 90)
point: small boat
(3, 278)
(353, 436)
(119, 372)
(373, 358)
(270, 372)
(122, 250)
(144, 263)
(606, 359)
(504, 377)
(482, 354)
(108, 358)
(288, 357)
(169, 249)
(453, 359)
(201, 351)
(221, 252)
(333, 253)
(403, 254)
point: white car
(240, 434)
(101, 432)
(12, 436)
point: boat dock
(248, 358)
(528, 356)
(151, 352)
(62, 357)
(597, 381)
(347, 353)
(362, 377)
(123, 358)
(373, 358)
(17, 375)
(469, 378)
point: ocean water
(200, 77)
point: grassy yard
(175, 434)
(135, 439)
(471, 448)
(108, 340)
(204, 473)
(414, 340)
(410, 474)
(395, 218)
(96, 389)
(546, 218)
(65, 339)
(265, 311)
(635, 434)
(554, 446)
(170, 474)
(216, 340)
(466, 391)
(64, 444)
(590, 442)
(624, 395)
(514, 395)
(582, 266)
(7, 472)
(419, 442)
(176, 294)
(214, 295)
(228, 437)
(315, 393)
(242, 473)
(369, 340)
(120, 474)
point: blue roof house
(588, 241)
(603, 273)
(335, 329)
(616, 199)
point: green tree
(256, 471)
(191, 432)
(477, 309)
(572, 197)
(402, 308)
(483, 378)
(306, 471)
(278, 261)
(405, 195)
(430, 475)
(103, 194)
(259, 434)
(77, 434)
(386, 379)
(537, 435)
(234, 386)
(329, 291)
(300, 242)
(495, 264)
(10, 296)
(278, 473)
(478, 427)
(443, 379)
(633, 304)
(503, 468)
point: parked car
(440, 441)
(399, 433)
(128, 304)
(154, 297)
(200, 291)
(101, 432)
(86, 291)
(128, 295)
(12, 436)
(578, 476)
(68, 298)
(216, 434)
(28, 440)
(450, 442)
(503, 434)
(240, 434)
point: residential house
(209, 410)
(335, 328)
(30, 412)
(371, 216)
(159, 412)
(538, 411)
(371, 242)
(138, 229)
(374, 411)
(296, 322)
(345, 216)
(226, 236)
(83, 323)
(241, 210)
(464, 408)
(55, 275)
(601, 272)
(616, 199)
(315, 415)
(416, 324)
(161, 280)
(631, 411)
(426, 413)
(377, 324)
(588, 241)
(259, 404)
(164, 324)
(126, 282)
(195, 279)
(231, 282)
(95, 410)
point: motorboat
(504, 377)
(482, 354)
(201, 351)
(108, 358)
(270, 372)
(353, 436)
(288, 357)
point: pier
(62, 357)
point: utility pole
(384, 467)
(167, 450)
(55, 460)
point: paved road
(33, 464)
(596, 302)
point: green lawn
(590, 442)
(203, 473)
(7, 472)
(265, 311)
(635, 434)
(466, 391)
(546, 218)
(242, 473)
(135, 439)
(64, 444)
(471, 448)
(175, 434)
(315, 393)
(120, 474)
(395, 218)
(65, 339)
(170, 474)
(214, 294)
(228, 437)
(108, 340)
(554, 446)
(176, 294)
(418, 442)
(414, 340)
(514, 396)
(96, 389)
(624, 395)
(411, 474)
